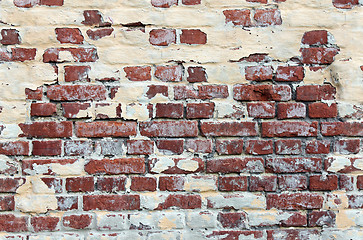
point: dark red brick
(259, 147)
(290, 74)
(47, 148)
(170, 146)
(80, 184)
(191, 2)
(196, 74)
(348, 129)
(76, 73)
(105, 129)
(315, 37)
(199, 145)
(181, 202)
(322, 219)
(235, 165)
(69, 35)
(294, 201)
(360, 182)
(323, 182)
(345, 4)
(36, 94)
(316, 55)
(315, 92)
(263, 183)
(46, 129)
(93, 17)
(10, 185)
(140, 183)
(169, 110)
(43, 109)
(10, 37)
(111, 184)
(46, 223)
(171, 183)
(99, 33)
(193, 36)
(317, 147)
(323, 110)
(244, 92)
(200, 110)
(116, 166)
(233, 219)
(13, 223)
(153, 90)
(83, 221)
(111, 202)
(229, 147)
(7, 203)
(138, 73)
(291, 110)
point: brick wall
(181, 119)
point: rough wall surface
(181, 119)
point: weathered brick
(162, 37)
(76, 92)
(291, 110)
(261, 110)
(204, 92)
(317, 147)
(198, 145)
(347, 182)
(259, 73)
(7, 203)
(93, 17)
(36, 94)
(322, 219)
(229, 129)
(46, 223)
(169, 129)
(111, 184)
(348, 129)
(199, 110)
(14, 148)
(23, 54)
(323, 182)
(315, 37)
(263, 183)
(169, 110)
(267, 17)
(76, 110)
(43, 109)
(164, 3)
(238, 17)
(52, 55)
(82, 221)
(10, 37)
(111, 202)
(139, 183)
(360, 182)
(355, 201)
(105, 129)
(13, 223)
(229, 147)
(232, 183)
(140, 147)
(46, 129)
(171, 183)
(323, 110)
(80, 184)
(289, 73)
(298, 234)
(10, 185)
(347, 146)
(315, 92)
(283, 147)
(193, 36)
(116, 166)
(259, 147)
(78, 148)
(345, 4)
(47, 148)
(67, 203)
(294, 201)
(47, 166)
(170, 146)
(181, 202)
(293, 165)
(196, 74)
(289, 129)
(99, 33)
(244, 92)
(235, 165)
(54, 183)
(191, 2)
(292, 182)
(176, 165)
(138, 73)
(316, 55)
(69, 35)
(76, 73)
(233, 220)
(334, 164)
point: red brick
(43, 109)
(289, 129)
(10, 37)
(111, 184)
(93, 17)
(10, 185)
(13, 223)
(347, 182)
(175, 169)
(263, 183)
(283, 147)
(116, 166)
(323, 110)
(257, 1)
(111, 202)
(46, 223)
(238, 17)
(323, 183)
(181, 202)
(16, 148)
(292, 182)
(70, 110)
(198, 145)
(171, 183)
(99, 33)
(46, 129)
(139, 183)
(290, 74)
(47, 148)
(105, 129)
(345, 4)
(235, 165)
(80, 184)
(76, 73)
(193, 36)
(291, 110)
(196, 74)
(316, 37)
(172, 73)
(229, 184)
(138, 73)
(53, 183)
(36, 94)
(322, 219)
(169, 129)
(244, 92)
(162, 37)
(140, 147)
(76, 92)
(347, 146)
(77, 221)
(261, 110)
(348, 129)
(80, 54)
(318, 55)
(259, 147)
(191, 2)
(259, 73)
(153, 90)
(297, 219)
(200, 110)
(315, 92)
(293, 165)
(360, 182)
(296, 234)
(355, 201)
(23, 54)
(67, 203)
(229, 129)
(78, 148)
(233, 219)
(51, 2)
(317, 147)
(204, 92)
(229, 147)
(294, 201)
(169, 110)
(267, 17)
(69, 35)
(7, 203)
(164, 3)
(169, 147)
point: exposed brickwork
(180, 119)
